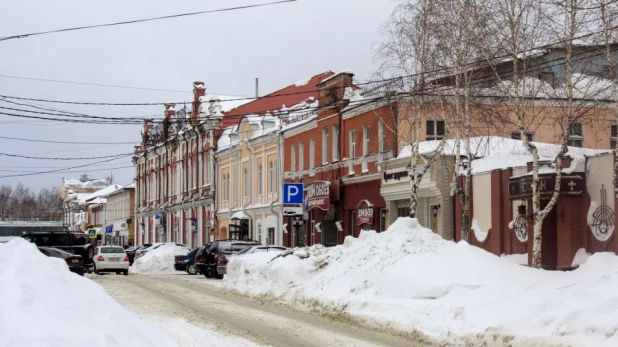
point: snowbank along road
(189, 298)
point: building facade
(119, 216)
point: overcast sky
(280, 44)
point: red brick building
(336, 153)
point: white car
(110, 259)
(142, 252)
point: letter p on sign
(293, 193)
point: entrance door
(549, 247)
(271, 236)
(353, 224)
(329, 229)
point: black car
(186, 262)
(75, 262)
(132, 250)
(213, 251)
(68, 241)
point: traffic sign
(92, 233)
(292, 211)
(293, 193)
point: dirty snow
(44, 304)
(160, 260)
(410, 278)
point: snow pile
(580, 258)
(519, 258)
(43, 304)
(160, 260)
(410, 278)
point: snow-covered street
(196, 312)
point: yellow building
(248, 205)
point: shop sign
(318, 195)
(395, 176)
(364, 213)
(572, 185)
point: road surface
(208, 307)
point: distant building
(84, 184)
(119, 210)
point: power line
(81, 171)
(68, 142)
(103, 85)
(50, 158)
(21, 36)
(68, 168)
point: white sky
(280, 44)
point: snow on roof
(102, 192)
(130, 186)
(302, 82)
(225, 140)
(337, 74)
(85, 183)
(228, 102)
(496, 152)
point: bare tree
(408, 51)
(5, 199)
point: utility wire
(68, 142)
(50, 158)
(68, 168)
(21, 36)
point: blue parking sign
(293, 193)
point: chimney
(170, 110)
(199, 90)
(332, 89)
(145, 137)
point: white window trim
(352, 153)
(381, 137)
(365, 140)
(293, 158)
(335, 147)
(324, 146)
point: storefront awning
(239, 215)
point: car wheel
(217, 275)
(90, 253)
(191, 269)
(126, 272)
(207, 274)
(118, 272)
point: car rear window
(107, 250)
(239, 247)
(50, 240)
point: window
(365, 140)
(246, 184)
(336, 143)
(352, 144)
(576, 135)
(271, 176)
(311, 153)
(325, 146)
(293, 160)
(381, 137)
(260, 179)
(516, 135)
(435, 130)
(613, 138)
(229, 187)
(301, 156)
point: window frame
(575, 139)
(324, 146)
(311, 153)
(335, 147)
(366, 149)
(434, 136)
(352, 151)
(381, 137)
(301, 156)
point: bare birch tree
(409, 51)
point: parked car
(132, 250)
(224, 259)
(142, 252)
(186, 262)
(111, 259)
(217, 249)
(68, 241)
(75, 262)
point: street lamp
(435, 210)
